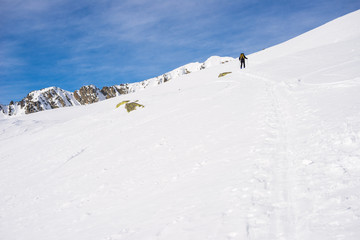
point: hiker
(242, 59)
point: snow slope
(269, 152)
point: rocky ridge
(54, 97)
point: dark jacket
(242, 57)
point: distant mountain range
(54, 97)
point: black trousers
(242, 62)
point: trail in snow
(273, 177)
(285, 162)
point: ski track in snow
(290, 164)
(272, 177)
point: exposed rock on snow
(88, 94)
(223, 74)
(130, 106)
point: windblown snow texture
(267, 152)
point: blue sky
(68, 44)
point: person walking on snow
(242, 60)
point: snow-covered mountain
(54, 97)
(267, 152)
(47, 98)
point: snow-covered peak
(216, 60)
(49, 90)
